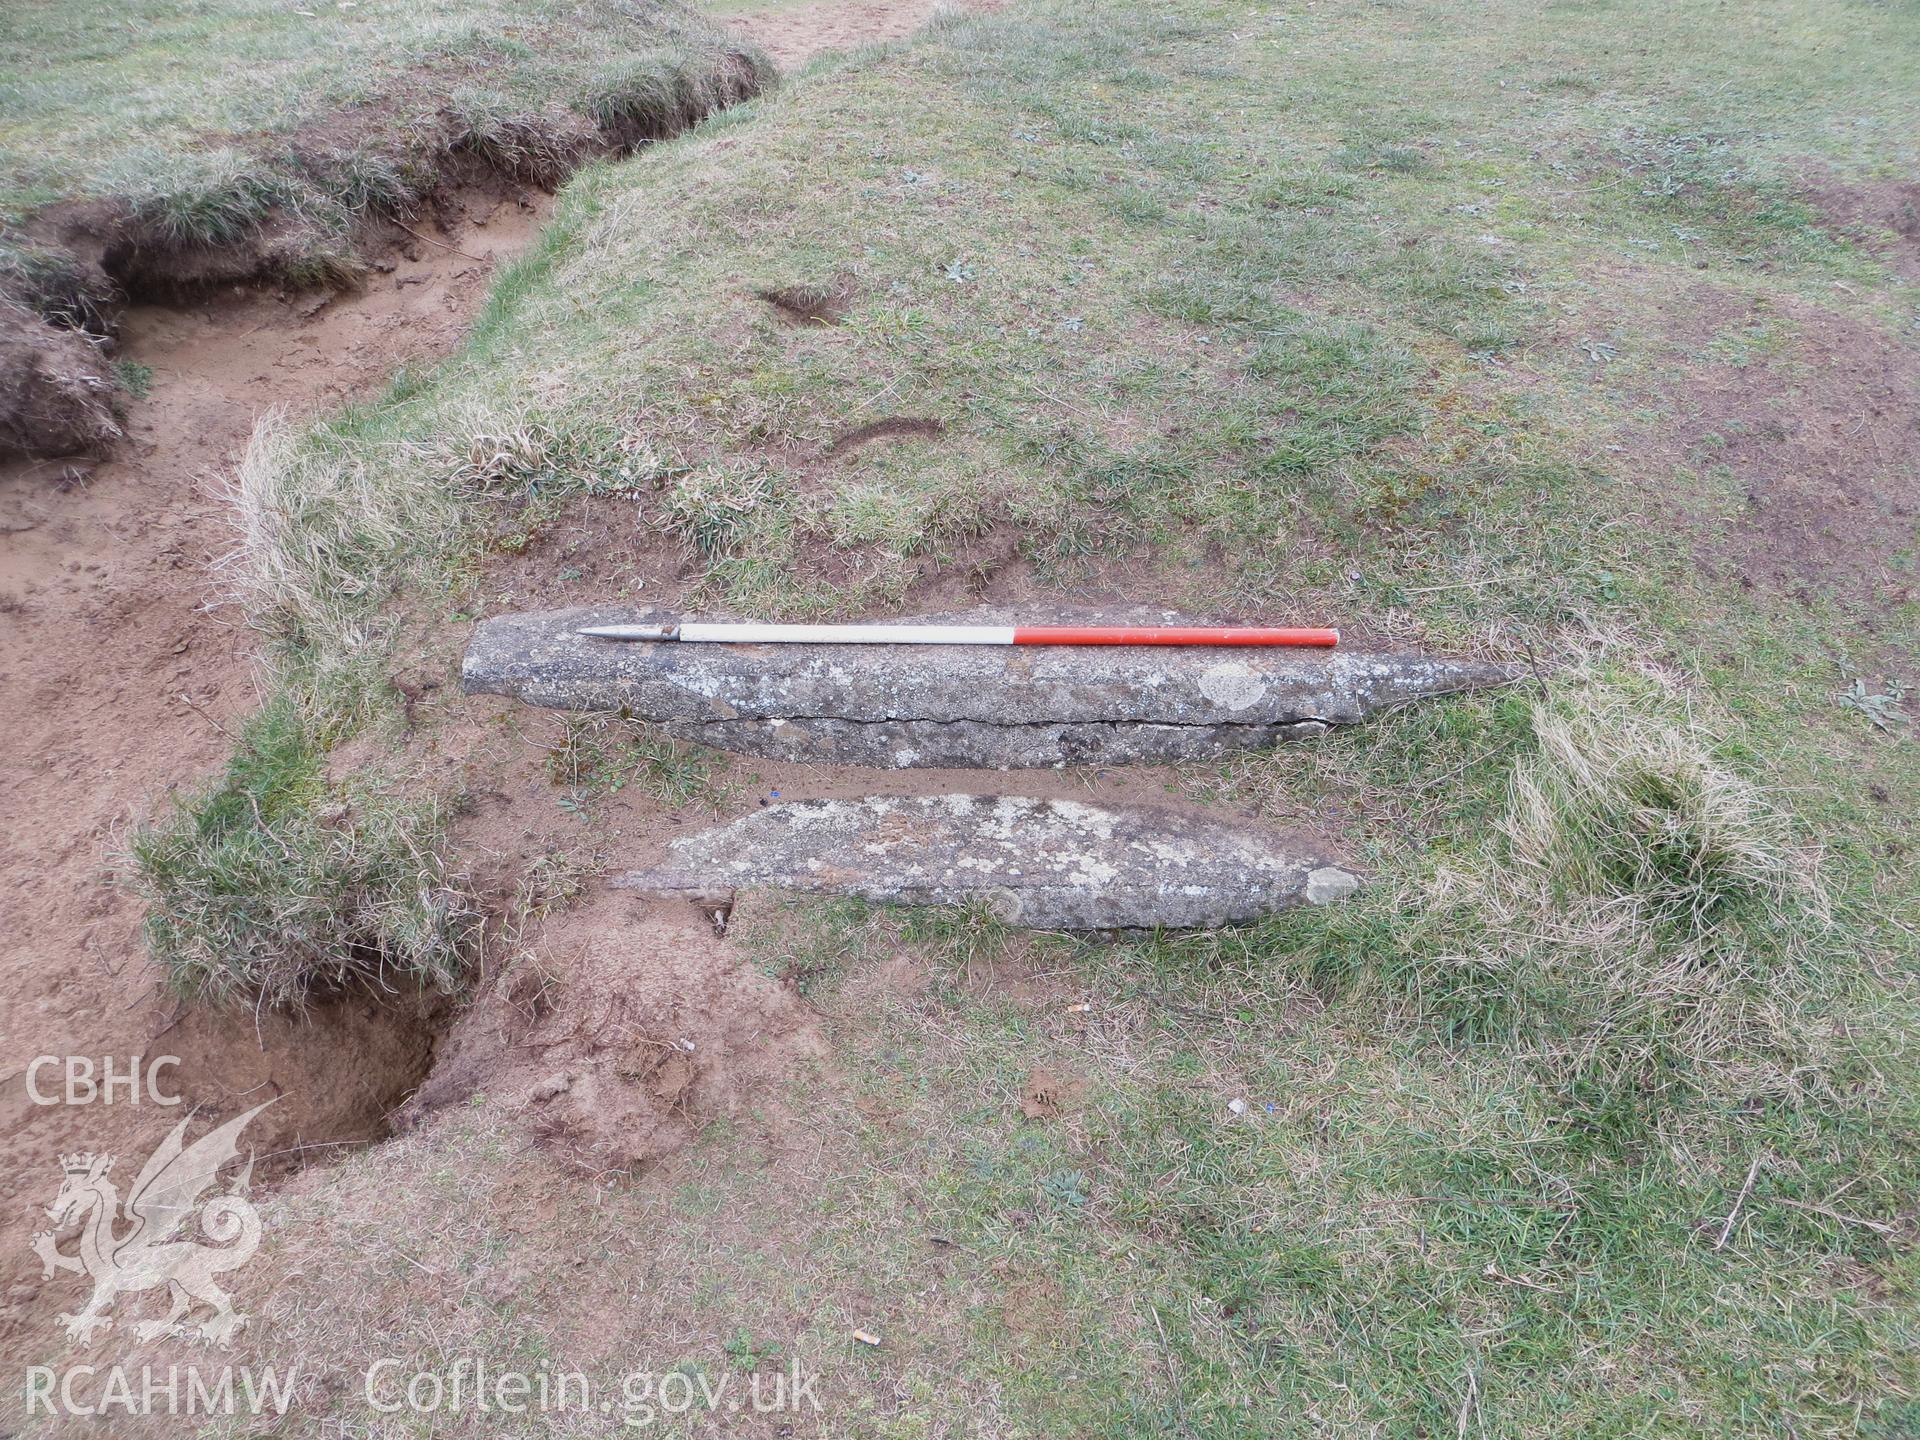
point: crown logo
(82, 1163)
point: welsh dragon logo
(166, 1192)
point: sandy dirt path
(795, 34)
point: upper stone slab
(997, 707)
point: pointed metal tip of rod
(630, 632)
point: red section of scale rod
(1171, 635)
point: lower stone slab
(1043, 864)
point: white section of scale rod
(750, 633)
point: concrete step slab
(1042, 864)
(984, 707)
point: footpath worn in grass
(1596, 1113)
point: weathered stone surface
(1044, 864)
(962, 706)
(977, 744)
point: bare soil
(57, 392)
(1882, 215)
(1047, 1095)
(796, 34)
(1816, 434)
(646, 1027)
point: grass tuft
(52, 285)
(713, 508)
(276, 885)
(212, 198)
(1633, 917)
(1633, 816)
(642, 98)
(320, 536)
(1654, 910)
(653, 96)
(511, 139)
(372, 181)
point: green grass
(1217, 301)
(135, 377)
(1283, 373)
(277, 883)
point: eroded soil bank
(125, 678)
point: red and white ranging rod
(753, 633)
